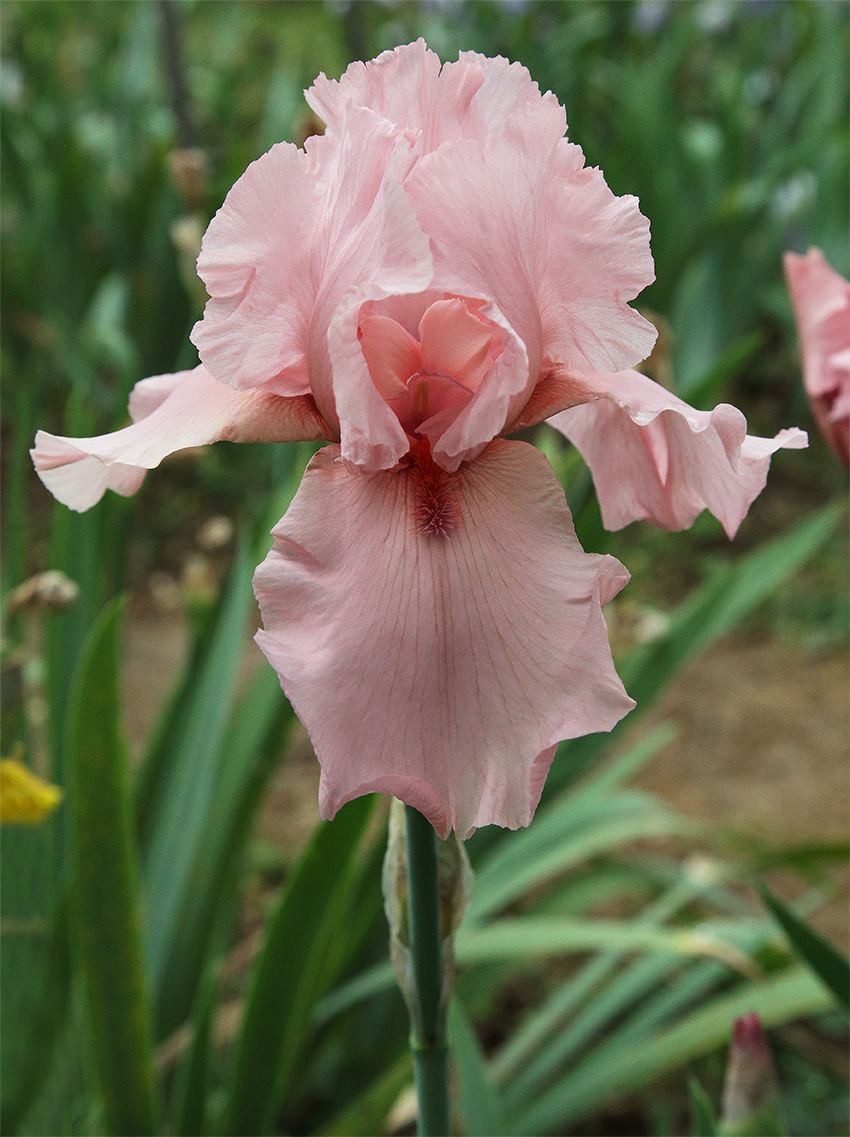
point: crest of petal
(442, 669)
(171, 412)
(655, 458)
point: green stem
(428, 1027)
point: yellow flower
(24, 797)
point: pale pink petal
(296, 234)
(457, 343)
(78, 471)
(594, 258)
(150, 393)
(391, 353)
(472, 98)
(556, 390)
(440, 666)
(655, 458)
(256, 262)
(544, 238)
(509, 97)
(75, 478)
(822, 306)
(370, 247)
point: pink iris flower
(436, 271)
(822, 306)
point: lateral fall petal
(654, 458)
(171, 412)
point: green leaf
(249, 755)
(44, 1018)
(477, 1092)
(811, 947)
(703, 1120)
(301, 956)
(610, 823)
(105, 894)
(186, 784)
(190, 1097)
(529, 936)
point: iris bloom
(436, 271)
(822, 306)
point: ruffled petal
(295, 235)
(257, 264)
(172, 412)
(472, 98)
(655, 458)
(441, 667)
(532, 229)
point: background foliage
(729, 120)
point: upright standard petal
(531, 228)
(438, 634)
(472, 98)
(172, 412)
(822, 306)
(256, 263)
(654, 458)
(295, 234)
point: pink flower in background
(822, 306)
(437, 270)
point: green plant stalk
(428, 1042)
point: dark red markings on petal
(436, 509)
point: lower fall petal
(171, 413)
(441, 665)
(654, 458)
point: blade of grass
(593, 1082)
(825, 961)
(640, 816)
(299, 960)
(530, 936)
(703, 1120)
(191, 1091)
(249, 754)
(478, 1096)
(188, 784)
(105, 894)
(368, 1113)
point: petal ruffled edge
(654, 458)
(171, 412)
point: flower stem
(428, 1028)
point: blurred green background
(730, 122)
